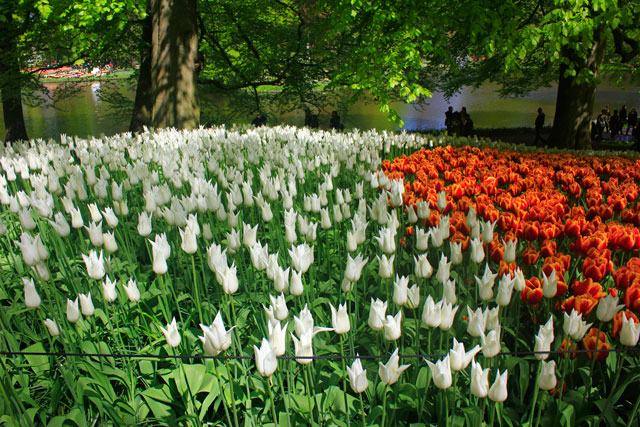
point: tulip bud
(189, 241)
(509, 255)
(607, 308)
(400, 290)
(444, 270)
(86, 305)
(340, 319)
(491, 343)
(630, 332)
(377, 314)
(441, 373)
(477, 322)
(449, 291)
(249, 234)
(160, 250)
(94, 264)
(390, 372)
(547, 379)
(31, 297)
(392, 327)
(456, 252)
(95, 233)
(171, 333)
(73, 311)
(52, 327)
(447, 315)
(477, 252)
(357, 377)
(385, 269)
(498, 390)
(458, 359)
(422, 267)
(131, 288)
(413, 297)
(479, 380)
(76, 218)
(109, 290)
(431, 314)
(109, 241)
(144, 224)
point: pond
(85, 113)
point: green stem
(196, 291)
(364, 416)
(384, 407)
(344, 382)
(634, 411)
(446, 407)
(273, 402)
(221, 388)
(287, 402)
(308, 387)
(539, 412)
(535, 395)
(233, 399)
(619, 364)
(492, 415)
(593, 362)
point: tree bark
(574, 102)
(173, 58)
(11, 90)
(143, 104)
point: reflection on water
(84, 113)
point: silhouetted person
(539, 125)
(632, 120)
(607, 115)
(334, 121)
(260, 120)
(467, 123)
(614, 124)
(623, 117)
(456, 123)
(311, 120)
(448, 115)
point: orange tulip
(589, 342)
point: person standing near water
(632, 120)
(623, 117)
(539, 125)
(448, 117)
(334, 121)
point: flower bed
(181, 278)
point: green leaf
(159, 400)
(39, 364)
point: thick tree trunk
(574, 103)
(11, 91)
(173, 59)
(143, 104)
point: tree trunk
(11, 91)
(574, 102)
(173, 58)
(143, 104)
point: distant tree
(44, 34)
(524, 45)
(409, 48)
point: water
(85, 113)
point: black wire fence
(318, 357)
